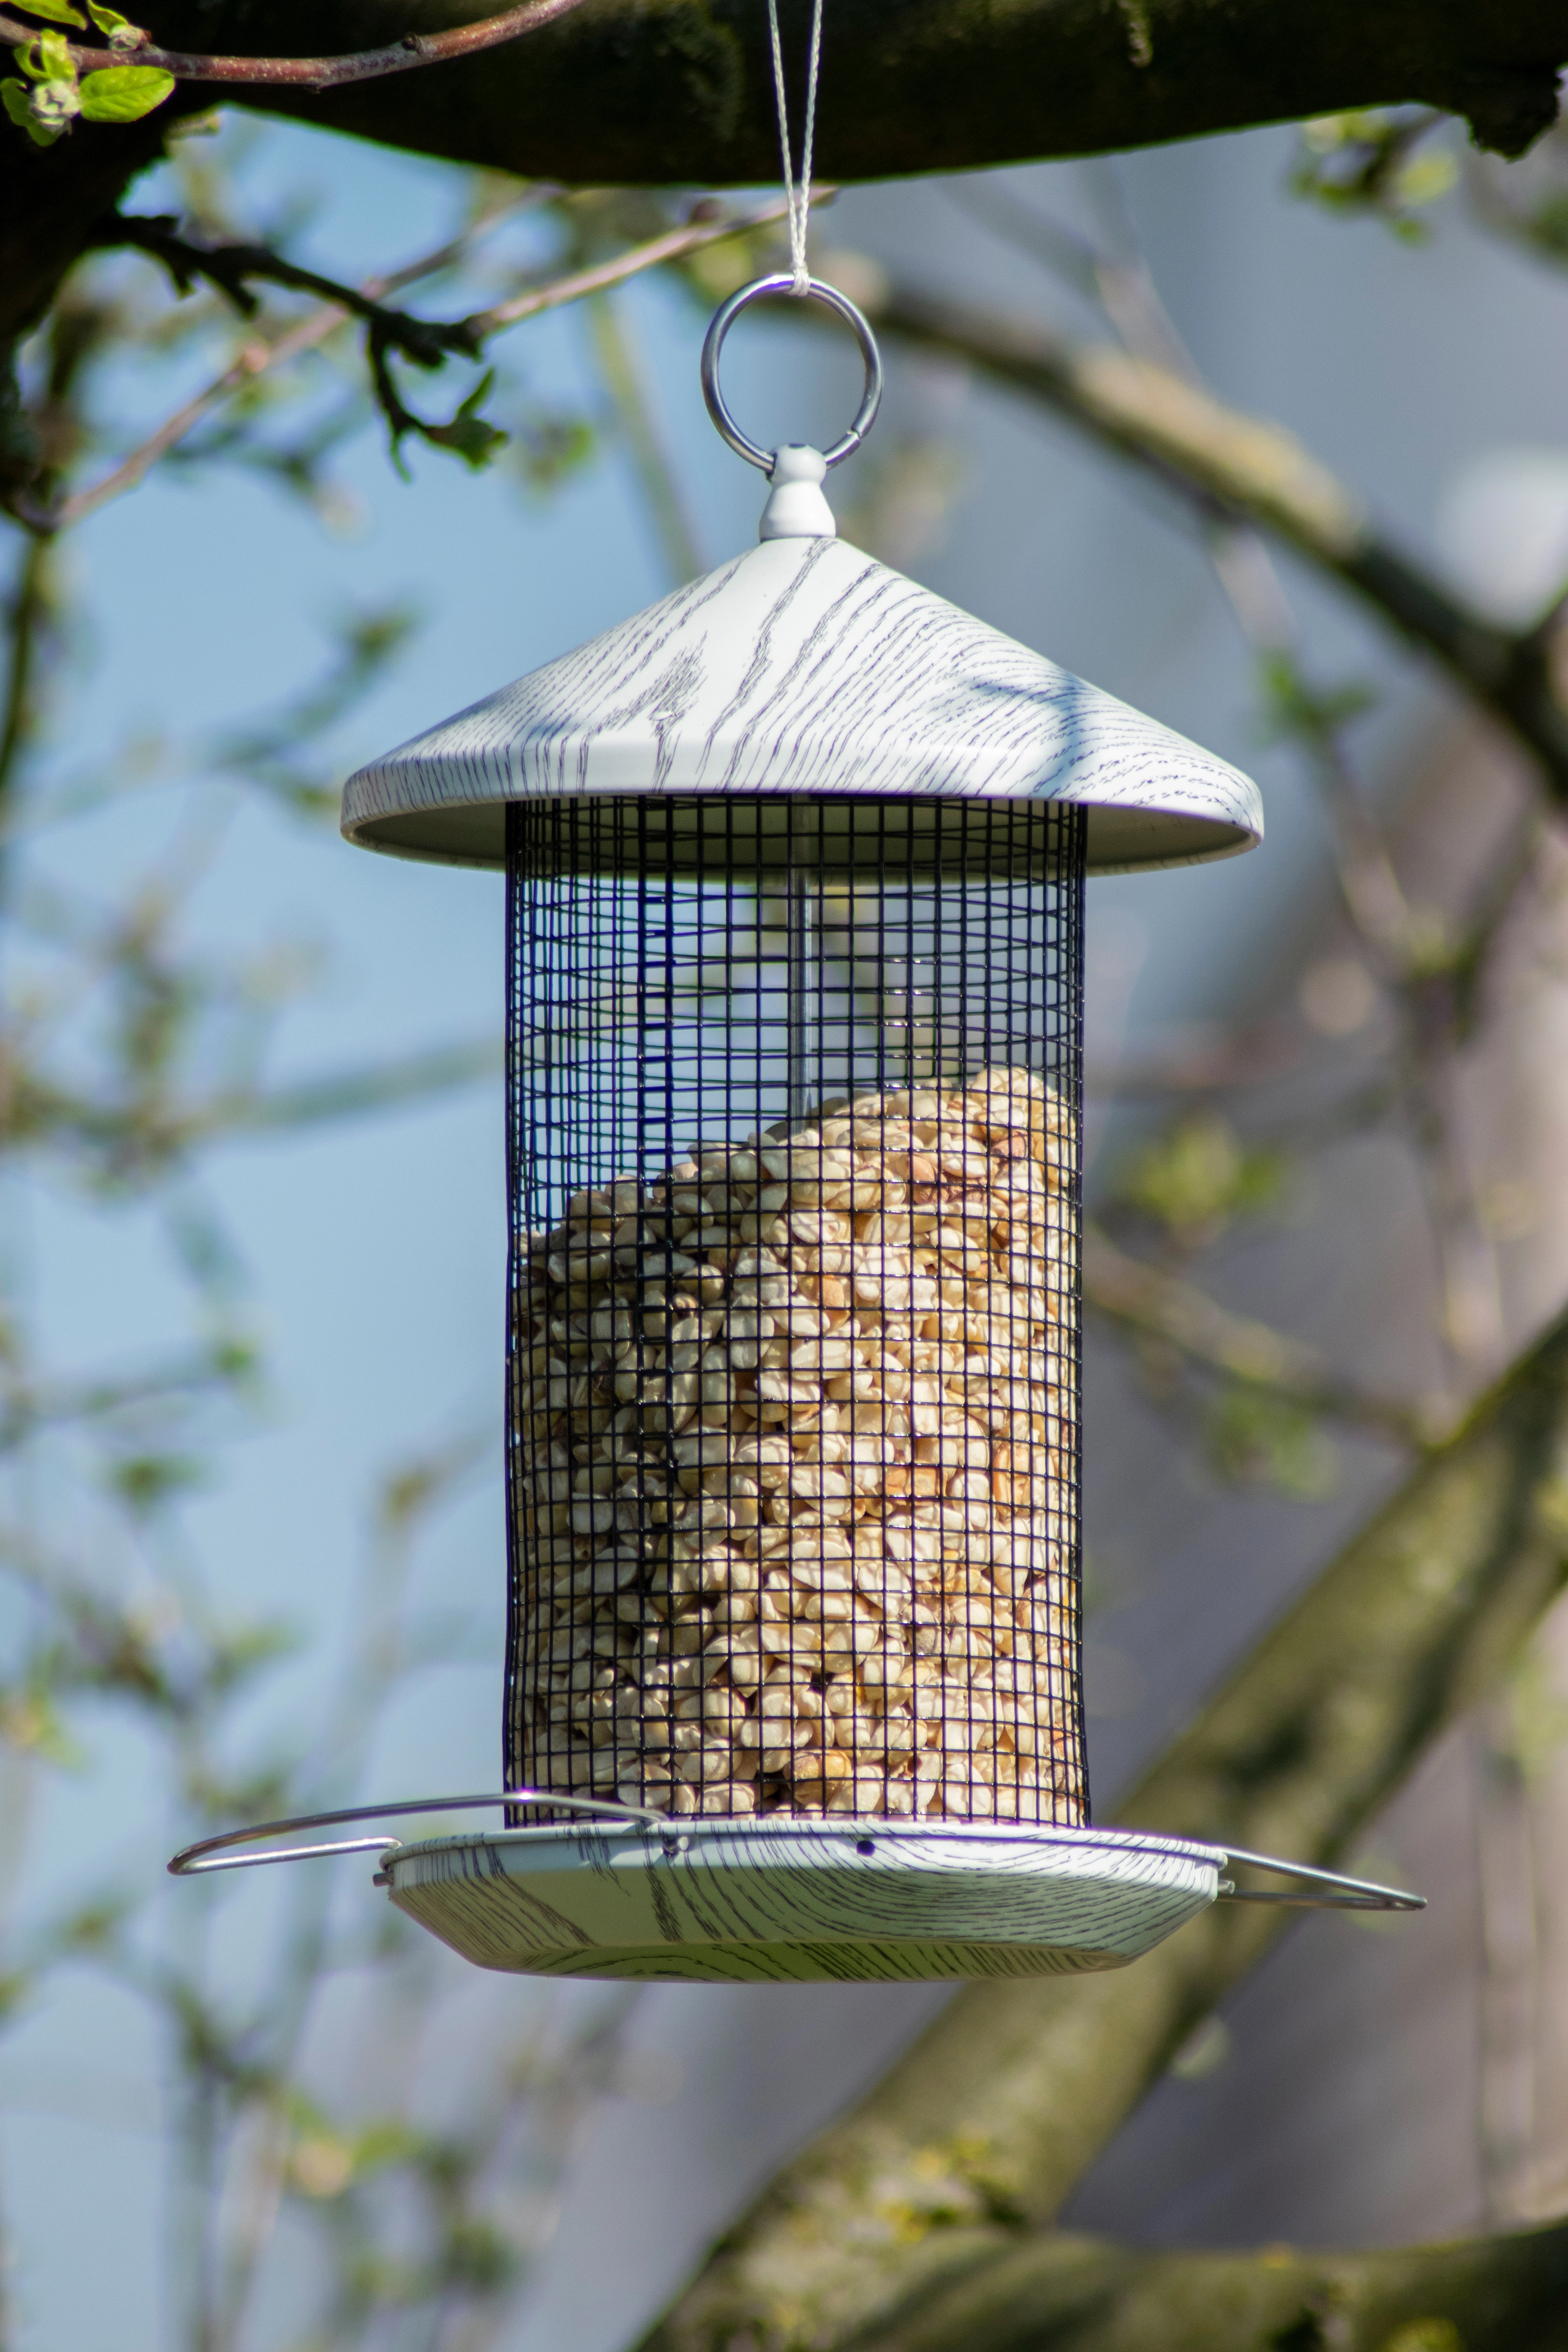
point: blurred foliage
(1433, 2334)
(1526, 201)
(1199, 1177)
(1386, 161)
(1295, 710)
(1254, 1439)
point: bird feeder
(795, 870)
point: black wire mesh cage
(793, 1394)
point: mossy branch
(681, 92)
(1065, 2294)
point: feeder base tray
(790, 1901)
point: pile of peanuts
(795, 1469)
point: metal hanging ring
(816, 291)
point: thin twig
(254, 359)
(28, 1410)
(617, 355)
(350, 1093)
(315, 73)
(1161, 1306)
(257, 358)
(673, 246)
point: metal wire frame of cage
(795, 1092)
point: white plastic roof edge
(805, 667)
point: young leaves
(55, 12)
(45, 111)
(124, 93)
(58, 94)
(16, 99)
(119, 33)
(469, 435)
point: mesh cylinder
(793, 1393)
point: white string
(797, 196)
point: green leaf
(1199, 1175)
(469, 435)
(124, 93)
(55, 12)
(49, 59)
(120, 32)
(470, 438)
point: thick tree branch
(996, 2112)
(315, 73)
(1242, 468)
(1051, 2294)
(681, 92)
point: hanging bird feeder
(795, 867)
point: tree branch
(231, 267)
(1243, 469)
(1160, 1306)
(996, 2112)
(1063, 2293)
(258, 357)
(681, 93)
(315, 73)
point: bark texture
(908, 2205)
(680, 90)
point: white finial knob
(796, 508)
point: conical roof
(805, 667)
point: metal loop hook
(817, 290)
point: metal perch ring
(1318, 1889)
(189, 1863)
